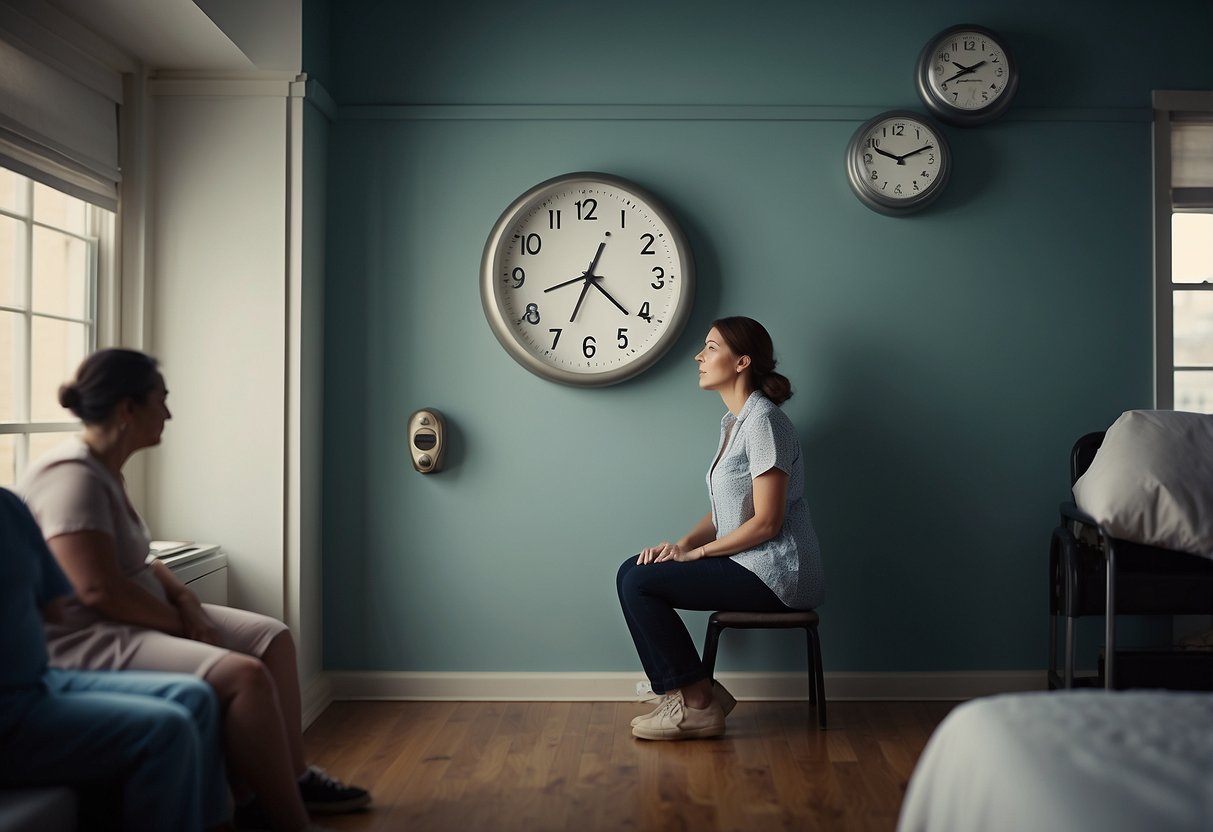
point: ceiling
(195, 35)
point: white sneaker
(723, 698)
(660, 699)
(674, 720)
(719, 692)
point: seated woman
(156, 734)
(133, 614)
(755, 550)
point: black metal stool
(806, 620)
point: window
(54, 251)
(1192, 278)
(1183, 149)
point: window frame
(1169, 201)
(99, 320)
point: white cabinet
(203, 568)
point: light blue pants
(156, 735)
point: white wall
(218, 323)
(235, 316)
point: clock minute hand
(964, 70)
(594, 262)
(919, 150)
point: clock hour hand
(890, 155)
(566, 283)
(594, 280)
(964, 70)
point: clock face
(898, 162)
(966, 75)
(586, 279)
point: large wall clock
(586, 279)
(966, 75)
(898, 162)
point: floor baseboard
(581, 687)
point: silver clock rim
(940, 106)
(489, 285)
(883, 204)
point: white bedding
(1137, 761)
(1149, 481)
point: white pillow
(1152, 480)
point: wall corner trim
(316, 95)
(272, 87)
(316, 696)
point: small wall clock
(898, 162)
(966, 75)
(586, 279)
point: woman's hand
(668, 551)
(90, 561)
(194, 620)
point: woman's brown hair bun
(776, 387)
(106, 378)
(69, 397)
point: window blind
(1191, 161)
(55, 129)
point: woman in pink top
(130, 612)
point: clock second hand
(584, 289)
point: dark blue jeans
(158, 734)
(650, 594)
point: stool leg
(808, 640)
(1052, 648)
(709, 648)
(1068, 673)
(819, 677)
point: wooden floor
(533, 766)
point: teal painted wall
(943, 363)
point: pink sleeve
(69, 497)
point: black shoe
(325, 795)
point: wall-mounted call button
(427, 440)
